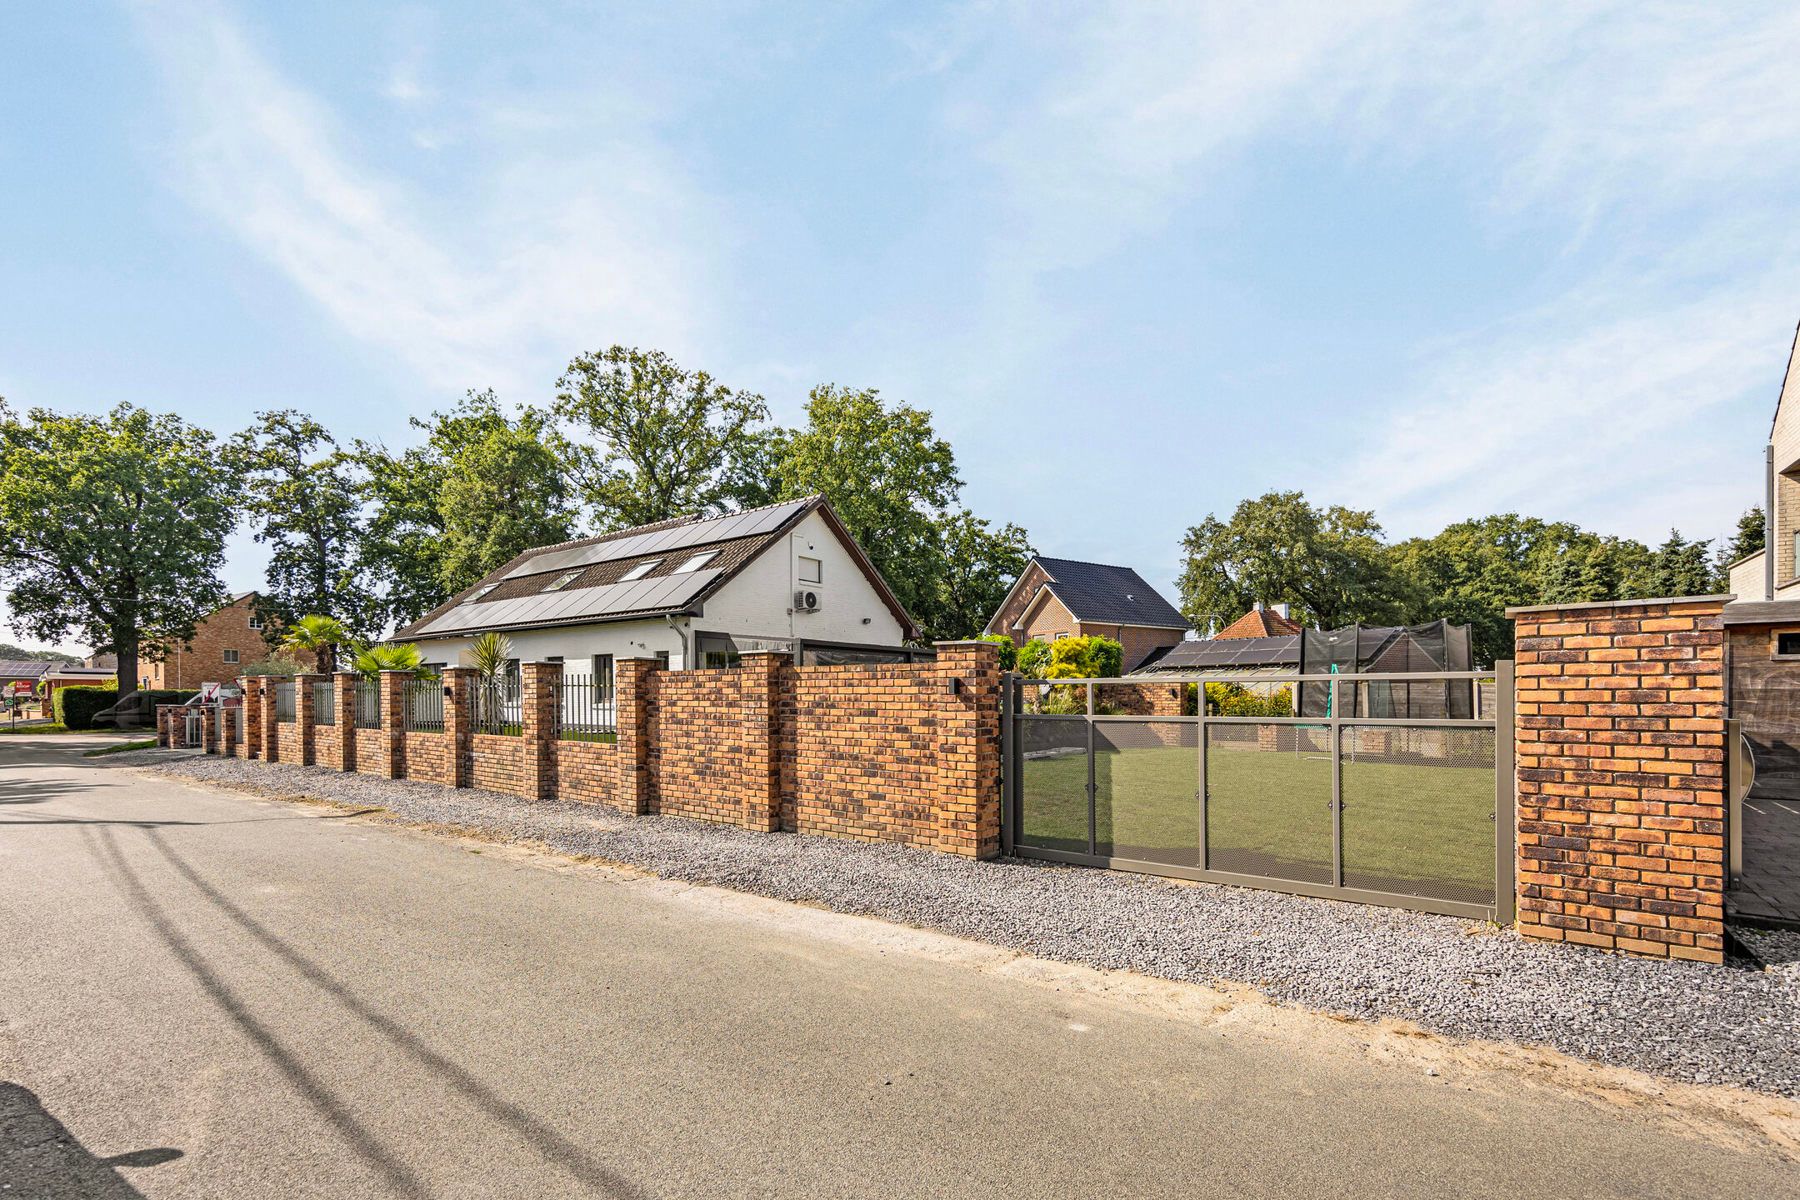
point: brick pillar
(393, 737)
(633, 681)
(343, 695)
(305, 723)
(209, 729)
(164, 729)
(253, 725)
(271, 738)
(1621, 775)
(459, 721)
(761, 794)
(967, 783)
(540, 683)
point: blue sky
(1140, 261)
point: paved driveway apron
(205, 994)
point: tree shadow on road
(40, 1157)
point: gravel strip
(1705, 1024)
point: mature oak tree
(112, 527)
(660, 439)
(304, 501)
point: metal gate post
(1506, 794)
(1093, 845)
(1009, 766)
(1337, 786)
(1200, 728)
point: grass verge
(119, 748)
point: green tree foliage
(304, 501)
(1009, 650)
(1329, 563)
(1034, 658)
(1750, 536)
(894, 483)
(482, 488)
(1682, 568)
(112, 528)
(661, 440)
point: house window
(602, 666)
(231, 656)
(641, 570)
(1787, 645)
(716, 650)
(662, 659)
(561, 581)
(1059, 637)
(811, 570)
(255, 621)
(696, 562)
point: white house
(690, 592)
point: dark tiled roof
(515, 596)
(1099, 594)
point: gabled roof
(1101, 594)
(1258, 622)
(634, 573)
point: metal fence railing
(586, 710)
(1412, 810)
(498, 707)
(368, 704)
(324, 702)
(423, 711)
(284, 701)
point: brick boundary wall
(1621, 775)
(253, 727)
(906, 752)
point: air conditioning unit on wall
(805, 601)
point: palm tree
(319, 635)
(390, 656)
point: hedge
(75, 707)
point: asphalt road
(204, 994)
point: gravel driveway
(1705, 1024)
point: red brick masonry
(904, 752)
(1621, 775)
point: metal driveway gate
(1414, 811)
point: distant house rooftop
(1257, 623)
(1101, 594)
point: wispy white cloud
(1662, 139)
(546, 253)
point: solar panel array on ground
(1230, 654)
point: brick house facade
(1056, 598)
(225, 642)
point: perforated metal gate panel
(1419, 811)
(1268, 809)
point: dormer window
(696, 562)
(481, 591)
(641, 570)
(561, 581)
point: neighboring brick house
(1773, 573)
(1261, 622)
(1060, 597)
(225, 641)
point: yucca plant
(489, 653)
(390, 656)
(318, 635)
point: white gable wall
(757, 603)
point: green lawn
(119, 748)
(1409, 827)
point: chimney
(1284, 610)
(1256, 606)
